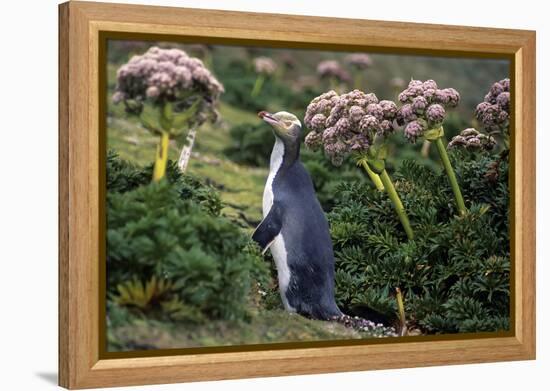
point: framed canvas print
(247, 195)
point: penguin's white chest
(274, 165)
(278, 249)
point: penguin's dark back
(308, 244)
(305, 227)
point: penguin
(295, 228)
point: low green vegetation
(164, 241)
(454, 275)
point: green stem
(397, 204)
(208, 60)
(401, 309)
(425, 151)
(451, 175)
(333, 83)
(258, 85)
(375, 178)
(161, 157)
(358, 80)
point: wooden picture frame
(81, 24)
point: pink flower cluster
(358, 60)
(347, 123)
(165, 75)
(288, 60)
(332, 68)
(494, 111)
(265, 66)
(424, 107)
(473, 140)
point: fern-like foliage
(171, 253)
(455, 274)
(123, 176)
(142, 295)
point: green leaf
(168, 110)
(371, 153)
(147, 124)
(183, 118)
(361, 159)
(133, 106)
(433, 134)
(166, 117)
(382, 152)
(149, 119)
(377, 165)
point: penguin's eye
(287, 123)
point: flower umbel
(347, 123)
(265, 65)
(167, 75)
(473, 140)
(332, 69)
(424, 107)
(356, 122)
(358, 60)
(494, 112)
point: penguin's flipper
(269, 228)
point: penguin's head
(286, 126)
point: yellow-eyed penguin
(295, 228)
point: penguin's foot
(365, 325)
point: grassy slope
(241, 189)
(274, 326)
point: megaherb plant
(494, 112)
(332, 71)
(359, 63)
(264, 67)
(423, 113)
(493, 115)
(171, 93)
(454, 276)
(356, 123)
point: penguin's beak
(278, 126)
(269, 118)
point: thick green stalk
(375, 178)
(358, 80)
(161, 157)
(451, 175)
(425, 151)
(397, 204)
(401, 309)
(258, 85)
